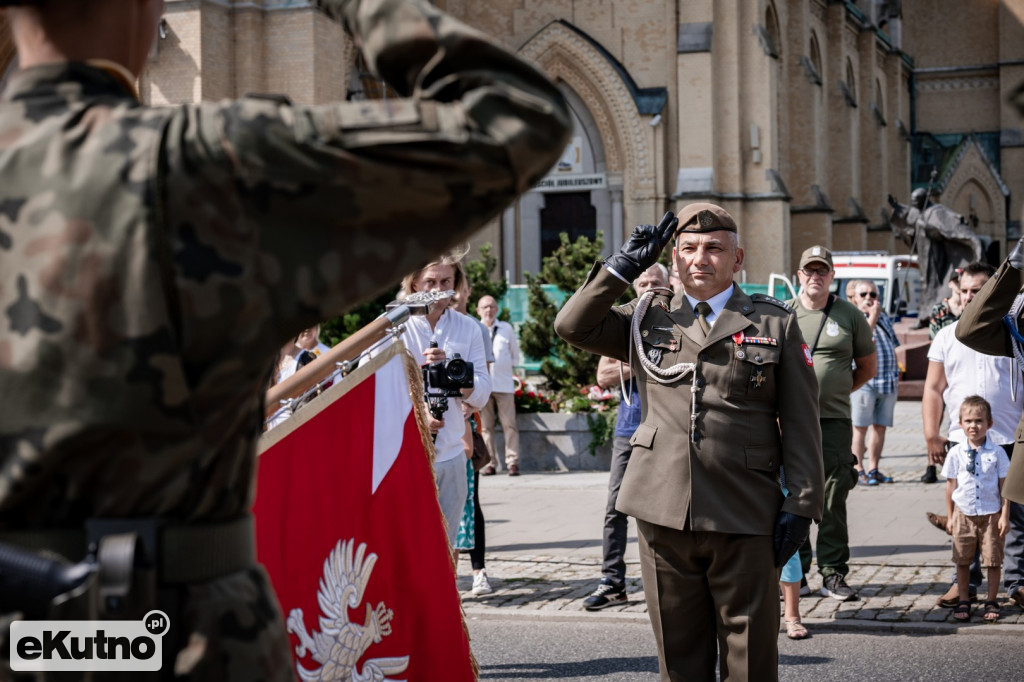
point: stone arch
(815, 54)
(565, 54)
(771, 26)
(851, 79)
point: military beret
(702, 217)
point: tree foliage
(480, 274)
(566, 368)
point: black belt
(182, 553)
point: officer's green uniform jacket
(981, 327)
(757, 410)
(153, 260)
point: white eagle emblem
(340, 644)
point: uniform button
(644, 333)
(701, 383)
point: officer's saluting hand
(642, 249)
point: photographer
(436, 338)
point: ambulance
(898, 278)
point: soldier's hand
(790, 532)
(643, 248)
(1016, 256)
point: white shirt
(969, 372)
(506, 357)
(717, 303)
(455, 333)
(977, 494)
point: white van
(898, 278)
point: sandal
(796, 630)
(962, 612)
(991, 612)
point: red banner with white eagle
(350, 531)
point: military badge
(706, 218)
(654, 355)
(807, 355)
(758, 377)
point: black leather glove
(1016, 256)
(643, 247)
(790, 532)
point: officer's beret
(702, 217)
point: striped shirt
(888, 374)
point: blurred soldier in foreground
(152, 262)
(727, 396)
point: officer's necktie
(703, 309)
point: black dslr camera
(446, 379)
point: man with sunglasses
(840, 339)
(873, 403)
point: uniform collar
(717, 302)
(731, 319)
(71, 81)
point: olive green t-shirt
(845, 336)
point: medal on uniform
(758, 377)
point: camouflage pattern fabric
(153, 260)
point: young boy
(974, 473)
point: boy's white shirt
(977, 494)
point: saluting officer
(728, 396)
(153, 260)
(982, 328)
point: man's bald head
(487, 309)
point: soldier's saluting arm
(981, 326)
(372, 188)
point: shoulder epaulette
(765, 298)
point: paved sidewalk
(544, 549)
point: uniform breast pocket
(660, 346)
(753, 372)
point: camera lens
(458, 370)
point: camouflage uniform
(153, 260)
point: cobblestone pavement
(544, 550)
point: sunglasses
(811, 272)
(867, 294)
(972, 455)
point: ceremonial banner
(349, 528)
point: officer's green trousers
(833, 548)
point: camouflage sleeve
(326, 206)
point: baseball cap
(816, 254)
